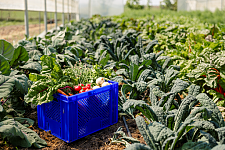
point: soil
(97, 141)
(15, 33)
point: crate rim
(88, 93)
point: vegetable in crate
(88, 86)
(61, 92)
(45, 84)
(81, 88)
(96, 87)
(67, 91)
(77, 88)
(81, 85)
(105, 84)
(88, 90)
(100, 81)
(52, 79)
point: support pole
(68, 13)
(221, 5)
(71, 6)
(45, 19)
(63, 21)
(39, 22)
(77, 11)
(196, 5)
(55, 13)
(26, 19)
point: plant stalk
(6, 100)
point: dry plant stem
(146, 91)
(6, 100)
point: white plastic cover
(211, 5)
(38, 5)
(101, 7)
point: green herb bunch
(81, 73)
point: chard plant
(47, 82)
(209, 74)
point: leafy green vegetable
(19, 135)
(8, 83)
(6, 49)
(4, 66)
(20, 54)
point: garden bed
(97, 141)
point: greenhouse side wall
(35, 21)
(181, 5)
(35, 5)
(101, 7)
(191, 5)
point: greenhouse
(190, 5)
(112, 74)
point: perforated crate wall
(71, 118)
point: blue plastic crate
(73, 117)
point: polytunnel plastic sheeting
(190, 5)
(101, 7)
(38, 5)
(107, 7)
(181, 5)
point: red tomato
(81, 84)
(88, 86)
(84, 88)
(81, 91)
(77, 88)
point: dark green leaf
(6, 49)
(20, 54)
(4, 66)
(19, 135)
(196, 145)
